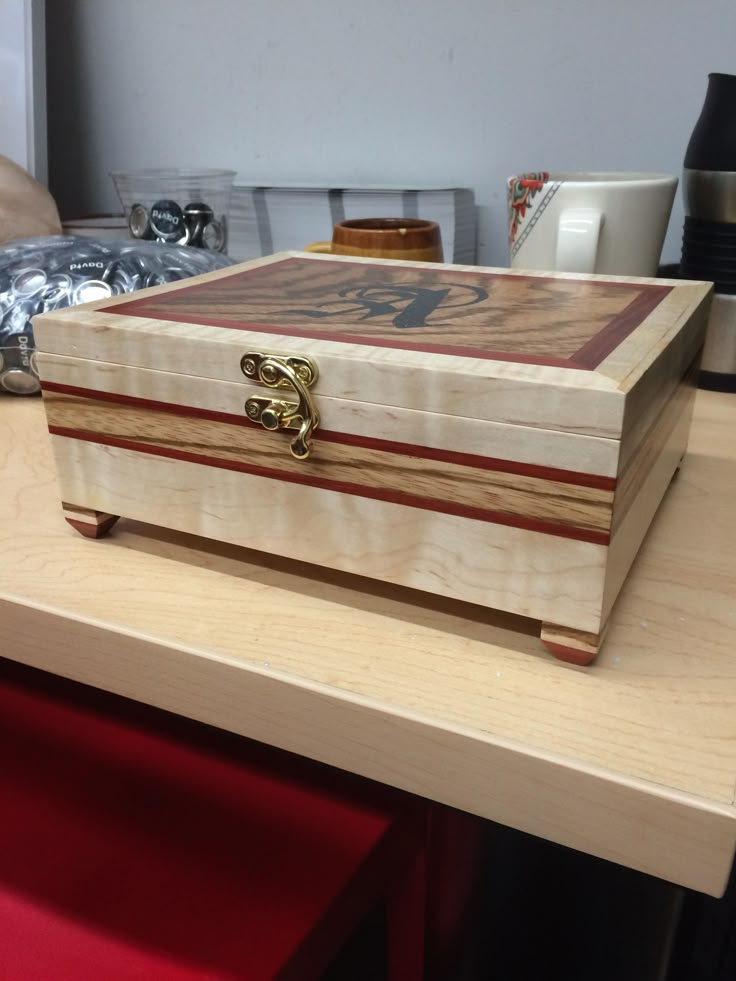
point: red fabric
(38, 944)
(454, 867)
(120, 840)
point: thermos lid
(712, 145)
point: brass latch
(296, 373)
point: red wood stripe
(86, 528)
(92, 529)
(570, 654)
(587, 358)
(496, 464)
(597, 349)
(344, 487)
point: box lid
(550, 351)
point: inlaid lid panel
(542, 350)
(545, 321)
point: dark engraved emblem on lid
(405, 304)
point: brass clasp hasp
(295, 373)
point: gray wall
(407, 92)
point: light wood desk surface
(632, 759)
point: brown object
(632, 759)
(494, 437)
(410, 239)
(91, 524)
(26, 207)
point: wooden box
(503, 438)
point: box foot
(571, 645)
(91, 524)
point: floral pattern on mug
(522, 190)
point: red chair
(136, 845)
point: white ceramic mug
(610, 223)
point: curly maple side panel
(537, 575)
(550, 501)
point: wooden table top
(632, 759)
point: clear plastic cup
(177, 205)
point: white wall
(407, 92)
(23, 84)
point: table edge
(661, 831)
